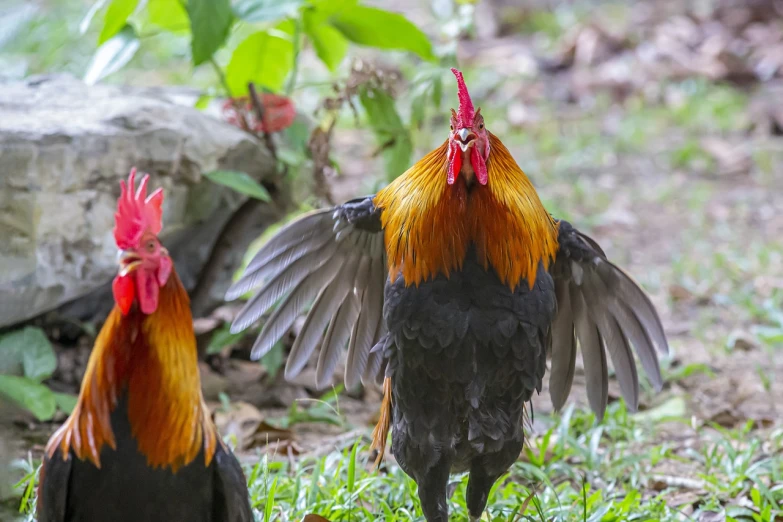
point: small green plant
(26, 360)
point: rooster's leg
(484, 471)
(432, 491)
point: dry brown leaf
(265, 434)
(732, 159)
(312, 517)
(243, 421)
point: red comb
(466, 111)
(137, 213)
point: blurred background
(655, 126)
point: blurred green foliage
(27, 360)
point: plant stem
(297, 47)
(220, 74)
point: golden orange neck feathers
(151, 360)
(429, 225)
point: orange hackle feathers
(152, 361)
(137, 212)
(429, 225)
(380, 433)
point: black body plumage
(465, 353)
(126, 489)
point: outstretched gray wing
(602, 307)
(334, 259)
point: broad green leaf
(28, 352)
(266, 10)
(168, 14)
(210, 22)
(113, 55)
(240, 182)
(326, 8)
(116, 17)
(94, 8)
(65, 401)
(38, 357)
(392, 136)
(382, 29)
(261, 58)
(329, 44)
(30, 395)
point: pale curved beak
(466, 138)
(128, 260)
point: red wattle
(124, 292)
(147, 286)
(455, 165)
(479, 165)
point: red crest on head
(466, 111)
(136, 212)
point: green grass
(626, 468)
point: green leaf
(382, 29)
(261, 58)
(30, 395)
(85, 23)
(168, 14)
(352, 468)
(203, 101)
(270, 501)
(30, 351)
(392, 136)
(116, 17)
(210, 22)
(289, 156)
(11, 353)
(266, 10)
(38, 357)
(223, 337)
(329, 44)
(66, 402)
(112, 55)
(240, 182)
(297, 134)
(273, 360)
(327, 8)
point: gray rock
(64, 147)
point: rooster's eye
(451, 127)
(150, 246)
(481, 126)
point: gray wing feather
(563, 348)
(363, 335)
(336, 337)
(284, 316)
(608, 311)
(297, 233)
(593, 355)
(281, 284)
(335, 257)
(325, 307)
(614, 341)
